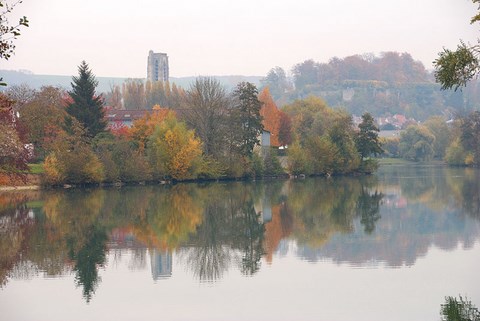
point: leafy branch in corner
(454, 69)
(9, 33)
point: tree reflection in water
(249, 239)
(208, 256)
(231, 231)
(216, 227)
(368, 208)
(88, 258)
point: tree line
(455, 141)
(209, 134)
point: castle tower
(157, 66)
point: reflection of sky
(289, 289)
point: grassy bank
(401, 161)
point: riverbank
(403, 162)
(31, 182)
(20, 188)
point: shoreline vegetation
(205, 134)
(34, 181)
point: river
(390, 246)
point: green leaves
(247, 121)
(367, 140)
(460, 309)
(454, 69)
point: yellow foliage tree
(72, 160)
(174, 150)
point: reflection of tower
(161, 264)
(264, 208)
(157, 66)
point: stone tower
(157, 66)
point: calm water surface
(386, 247)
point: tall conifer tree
(86, 106)
(247, 118)
(367, 140)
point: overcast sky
(221, 37)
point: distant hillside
(392, 83)
(105, 83)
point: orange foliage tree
(271, 116)
(144, 127)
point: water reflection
(392, 219)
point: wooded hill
(392, 83)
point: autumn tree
(310, 116)
(323, 139)
(156, 93)
(41, 115)
(144, 127)
(86, 106)
(14, 156)
(174, 150)
(71, 159)
(342, 136)
(113, 98)
(176, 97)
(133, 91)
(284, 129)
(9, 32)
(453, 69)
(270, 116)
(206, 111)
(121, 159)
(20, 94)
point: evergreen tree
(246, 117)
(86, 106)
(367, 140)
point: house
(264, 143)
(121, 117)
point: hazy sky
(220, 37)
